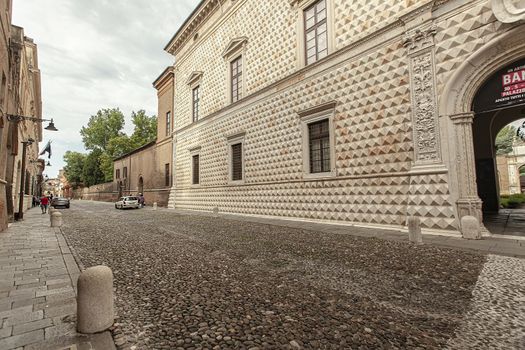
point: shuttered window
(168, 123)
(236, 162)
(117, 174)
(195, 167)
(319, 142)
(315, 32)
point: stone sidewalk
(38, 276)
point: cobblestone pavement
(191, 282)
(497, 317)
(37, 295)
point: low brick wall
(105, 192)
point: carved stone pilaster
(420, 47)
(469, 202)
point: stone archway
(141, 185)
(457, 116)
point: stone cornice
(163, 77)
(196, 18)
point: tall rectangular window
(168, 123)
(117, 174)
(195, 102)
(195, 169)
(3, 89)
(316, 36)
(125, 173)
(236, 79)
(167, 174)
(319, 146)
(236, 161)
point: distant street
(190, 282)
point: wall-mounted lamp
(18, 118)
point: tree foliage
(104, 138)
(101, 128)
(92, 172)
(505, 139)
(74, 167)
(145, 128)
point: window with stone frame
(117, 174)
(168, 123)
(195, 93)
(3, 90)
(236, 162)
(236, 79)
(125, 172)
(319, 146)
(315, 32)
(167, 179)
(195, 169)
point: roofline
(184, 24)
(136, 150)
(165, 72)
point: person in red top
(44, 201)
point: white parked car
(127, 202)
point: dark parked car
(60, 202)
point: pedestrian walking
(44, 202)
(141, 200)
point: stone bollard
(470, 228)
(154, 205)
(51, 210)
(414, 230)
(95, 300)
(56, 219)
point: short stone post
(470, 228)
(414, 230)
(51, 210)
(95, 311)
(56, 219)
(154, 205)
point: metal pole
(22, 182)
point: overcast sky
(96, 54)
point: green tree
(101, 128)
(504, 140)
(145, 128)
(117, 146)
(73, 169)
(92, 172)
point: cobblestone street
(188, 281)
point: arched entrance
(462, 126)
(499, 101)
(141, 185)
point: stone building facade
(359, 112)
(509, 166)
(19, 95)
(148, 169)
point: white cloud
(97, 54)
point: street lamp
(19, 118)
